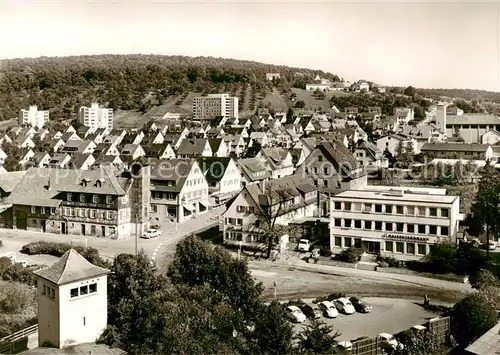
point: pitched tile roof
(487, 344)
(172, 170)
(192, 146)
(155, 150)
(455, 147)
(69, 268)
(9, 180)
(251, 166)
(214, 167)
(215, 143)
(473, 119)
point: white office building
(96, 117)
(215, 105)
(33, 117)
(394, 221)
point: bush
(388, 261)
(15, 272)
(350, 255)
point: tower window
(84, 290)
(74, 292)
(92, 288)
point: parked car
(317, 312)
(328, 309)
(23, 263)
(492, 245)
(304, 245)
(344, 305)
(389, 341)
(295, 314)
(151, 233)
(345, 345)
(360, 305)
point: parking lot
(389, 315)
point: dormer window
(69, 197)
(109, 200)
(82, 198)
(95, 199)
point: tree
(273, 333)
(410, 91)
(197, 263)
(417, 342)
(318, 338)
(404, 153)
(13, 153)
(472, 317)
(486, 209)
(252, 151)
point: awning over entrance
(205, 203)
(189, 207)
(371, 240)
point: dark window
(445, 212)
(357, 243)
(410, 228)
(389, 227)
(338, 205)
(400, 247)
(378, 208)
(410, 248)
(357, 223)
(432, 212)
(320, 158)
(338, 222)
(74, 292)
(399, 209)
(444, 231)
(388, 208)
(92, 288)
(399, 227)
(338, 241)
(347, 242)
(389, 246)
(433, 230)
(347, 206)
(347, 223)
(84, 290)
(378, 226)
(368, 224)
(421, 249)
(421, 229)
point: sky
(424, 44)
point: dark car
(360, 305)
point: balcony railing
(111, 206)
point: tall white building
(72, 301)
(214, 105)
(33, 117)
(96, 117)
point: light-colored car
(389, 341)
(328, 309)
(492, 245)
(304, 245)
(345, 345)
(151, 233)
(295, 314)
(344, 305)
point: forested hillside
(63, 84)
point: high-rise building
(215, 105)
(33, 117)
(96, 117)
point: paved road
(389, 315)
(13, 240)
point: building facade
(96, 116)
(215, 105)
(33, 117)
(399, 222)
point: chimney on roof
(48, 185)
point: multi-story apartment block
(33, 117)
(179, 190)
(215, 105)
(282, 200)
(101, 202)
(96, 117)
(399, 222)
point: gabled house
(38, 160)
(404, 115)
(56, 135)
(468, 151)
(84, 131)
(306, 122)
(260, 121)
(174, 139)
(81, 161)
(42, 133)
(27, 132)
(106, 149)
(218, 147)
(59, 161)
(306, 144)
(492, 137)
(108, 160)
(298, 156)
(133, 151)
(285, 200)
(152, 138)
(223, 177)
(391, 142)
(259, 137)
(26, 156)
(70, 136)
(179, 190)
(216, 132)
(279, 160)
(370, 157)
(4, 138)
(332, 167)
(79, 146)
(134, 137)
(190, 148)
(51, 146)
(23, 142)
(70, 129)
(163, 151)
(14, 131)
(253, 170)
(237, 144)
(198, 132)
(115, 137)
